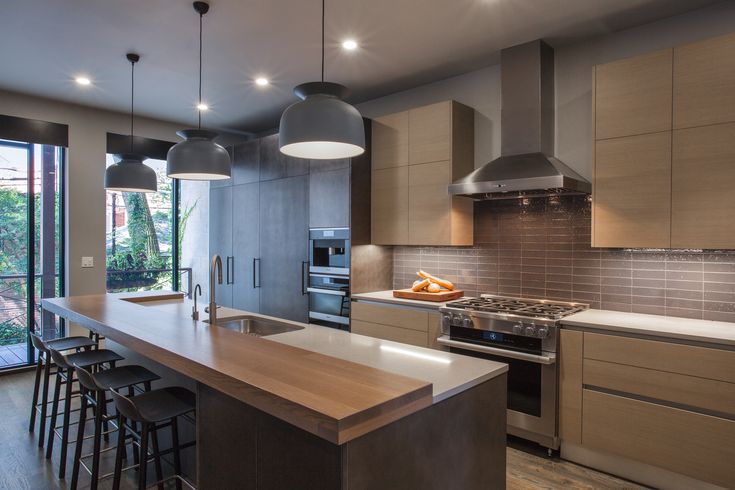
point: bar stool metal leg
(54, 413)
(121, 436)
(143, 466)
(44, 401)
(36, 386)
(177, 449)
(66, 420)
(80, 440)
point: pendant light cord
(323, 40)
(132, 98)
(201, 16)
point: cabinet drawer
(661, 356)
(700, 446)
(391, 315)
(386, 332)
(707, 394)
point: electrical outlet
(87, 262)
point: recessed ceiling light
(262, 81)
(202, 107)
(83, 80)
(350, 45)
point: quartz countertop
(387, 297)
(706, 331)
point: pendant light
(198, 157)
(129, 174)
(321, 126)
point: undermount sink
(251, 325)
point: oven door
(532, 382)
(329, 301)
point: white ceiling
(403, 43)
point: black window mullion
(175, 199)
(31, 252)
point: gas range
(524, 334)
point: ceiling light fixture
(198, 157)
(262, 81)
(321, 126)
(128, 173)
(83, 80)
(350, 45)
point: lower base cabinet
(397, 323)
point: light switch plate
(87, 262)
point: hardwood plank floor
(23, 466)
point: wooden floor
(23, 467)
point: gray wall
(481, 89)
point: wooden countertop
(335, 399)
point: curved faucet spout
(214, 266)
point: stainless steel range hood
(525, 167)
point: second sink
(259, 327)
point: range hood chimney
(526, 167)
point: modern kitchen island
(314, 407)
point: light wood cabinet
(570, 386)
(632, 192)
(703, 179)
(633, 95)
(389, 206)
(390, 140)
(693, 444)
(704, 82)
(438, 148)
(397, 323)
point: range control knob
(446, 322)
(543, 332)
(457, 319)
(467, 322)
(530, 331)
(518, 329)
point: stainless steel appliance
(329, 251)
(522, 333)
(329, 277)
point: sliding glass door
(31, 245)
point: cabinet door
(389, 332)
(703, 179)
(389, 205)
(704, 82)
(430, 133)
(246, 162)
(224, 182)
(429, 204)
(329, 199)
(633, 96)
(390, 140)
(632, 192)
(570, 386)
(283, 247)
(220, 237)
(276, 165)
(246, 246)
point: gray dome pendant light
(198, 157)
(128, 174)
(322, 126)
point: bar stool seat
(164, 404)
(69, 343)
(91, 358)
(123, 376)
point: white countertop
(387, 297)
(707, 331)
(448, 373)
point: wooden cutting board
(424, 296)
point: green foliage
(12, 333)
(13, 232)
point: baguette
(434, 288)
(419, 285)
(445, 284)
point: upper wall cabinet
(633, 96)
(416, 155)
(663, 178)
(704, 82)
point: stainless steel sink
(259, 327)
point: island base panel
(456, 443)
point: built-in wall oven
(329, 277)
(523, 334)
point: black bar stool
(153, 411)
(92, 360)
(43, 370)
(93, 387)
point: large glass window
(31, 245)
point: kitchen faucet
(215, 265)
(194, 311)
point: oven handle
(550, 359)
(326, 291)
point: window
(31, 244)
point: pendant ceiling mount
(128, 173)
(198, 157)
(321, 126)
